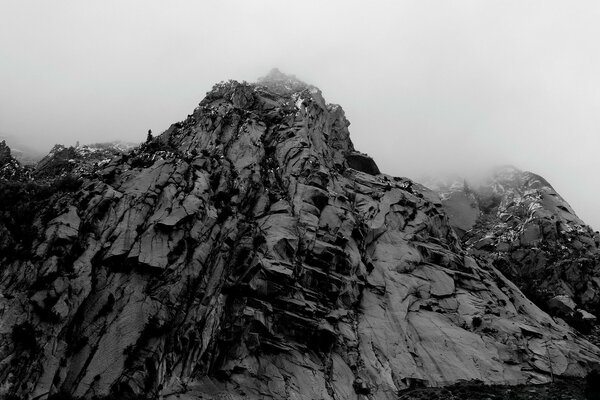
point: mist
(430, 87)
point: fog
(430, 87)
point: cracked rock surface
(249, 252)
(519, 223)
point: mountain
(79, 160)
(250, 252)
(516, 221)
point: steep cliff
(249, 252)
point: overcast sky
(430, 87)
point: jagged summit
(277, 108)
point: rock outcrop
(10, 168)
(518, 222)
(241, 255)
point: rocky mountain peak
(249, 252)
(262, 117)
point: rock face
(518, 222)
(241, 255)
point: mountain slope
(250, 252)
(80, 160)
(518, 222)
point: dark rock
(362, 162)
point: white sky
(430, 87)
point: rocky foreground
(249, 252)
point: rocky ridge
(516, 221)
(250, 252)
(79, 160)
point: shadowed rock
(362, 162)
